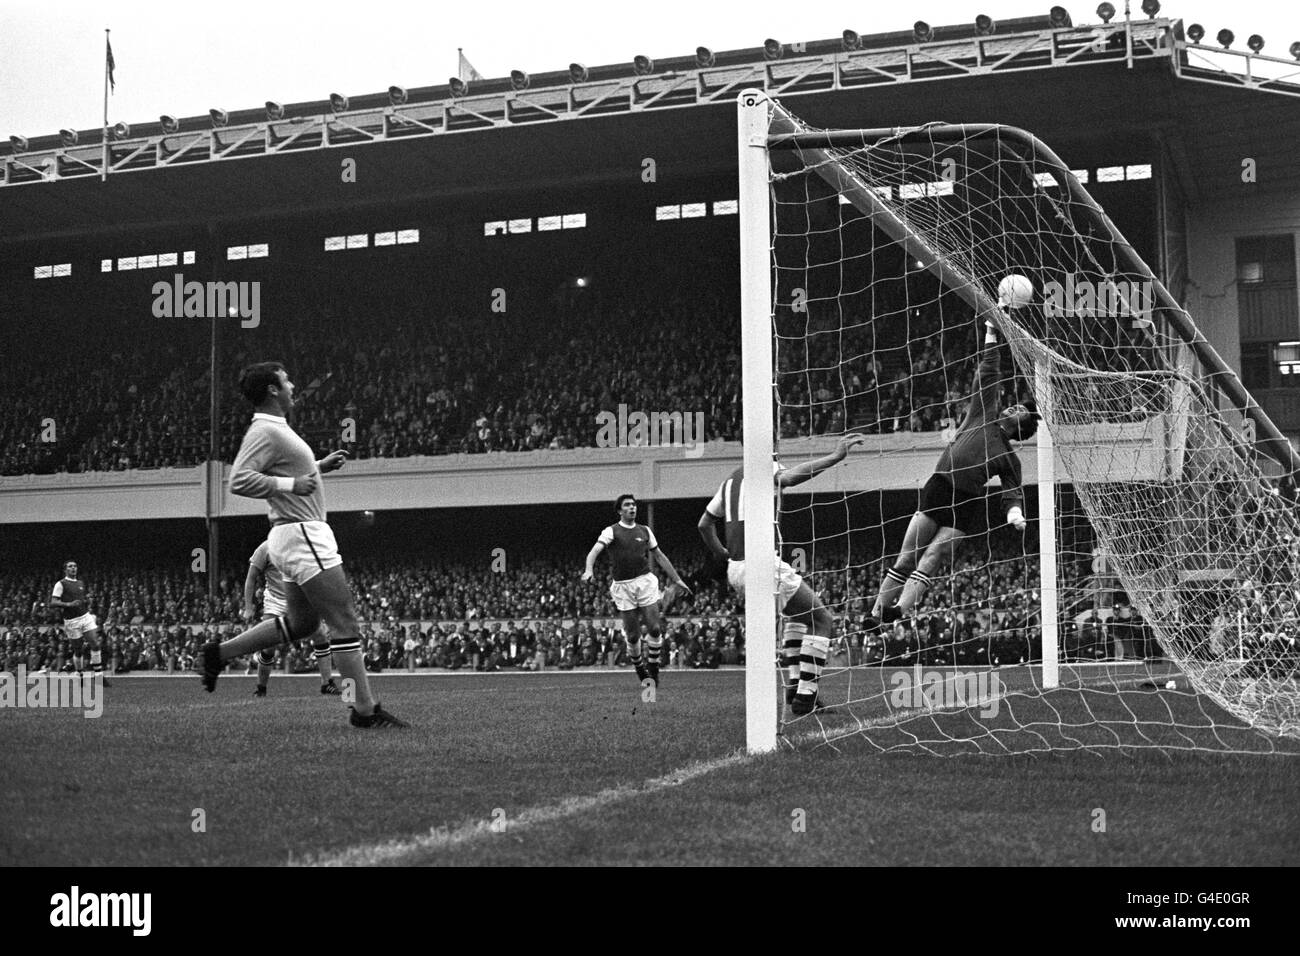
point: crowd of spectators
(540, 614)
(385, 378)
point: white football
(1015, 292)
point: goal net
(1154, 599)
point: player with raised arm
(262, 572)
(809, 627)
(73, 601)
(952, 502)
(274, 463)
(635, 588)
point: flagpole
(103, 172)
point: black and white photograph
(671, 435)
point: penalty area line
(405, 850)
(445, 838)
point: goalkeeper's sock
(890, 586)
(915, 589)
(791, 644)
(96, 662)
(812, 658)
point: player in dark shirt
(952, 502)
(73, 601)
(635, 588)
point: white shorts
(78, 626)
(273, 605)
(303, 550)
(635, 592)
(787, 581)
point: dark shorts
(951, 508)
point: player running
(952, 502)
(276, 464)
(262, 572)
(803, 654)
(72, 599)
(635, 589)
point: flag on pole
(466, 71)
(110, 63)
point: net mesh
(1178, 560)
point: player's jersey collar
(268, 417)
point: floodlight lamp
(1060, 17)
(1106, 11)
(458, 86)
(1225, 38)
(985, 25)
(68, 137)
(851, 40)
(19, 143)
(704, 57)
(772, 49)
(170, 124)
(1151, 8)
(274, 110)
(1294, 49)
(578, 73)
(519, 79)
(922, 31)
(219, 118)
(642, 65)
(1256, 43)
(397, 96)
(121, 131)
(338, 103)
(1196, 33)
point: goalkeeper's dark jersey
(980, 449)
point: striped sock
(652, 650)
(634, 652)
(812, 658)
(96, 662)
(892, 583)
(917, 585)
(791, 644)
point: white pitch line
(444, 838)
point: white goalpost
(869, 261)
(758, 496)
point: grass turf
(285, 778)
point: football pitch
(576, 768)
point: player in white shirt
(275, 464)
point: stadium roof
(1074, 88)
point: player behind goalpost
(274, 463)
(803, 654)
(952, 502)
(635, 588)
(262, 571)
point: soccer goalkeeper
(952, 502)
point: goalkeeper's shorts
(950, 508)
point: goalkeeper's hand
(1016, 518)
(990, 334)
